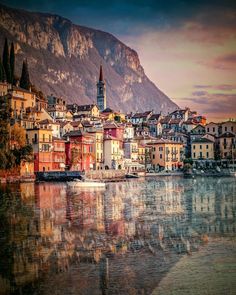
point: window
(194, 147)
(153, 156)
(208, 129)
(194, 155)
(200, 154)
(207, 154)
(200, 146)
(213, 129)
(225, 128)
(207, 146)
(232, 128)
(160, 156)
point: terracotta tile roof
(141, 115)
(86, 107)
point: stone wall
(106, 174)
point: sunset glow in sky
(187, 48)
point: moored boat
(86, 183)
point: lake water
(125, 239)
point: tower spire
(101, 91)
(101, 74)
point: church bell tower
(101, 92)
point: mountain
(64, 60)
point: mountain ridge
(64, 59)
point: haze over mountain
(64, 60)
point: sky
(187, 48)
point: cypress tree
(2, 72)
(24, 79)
(5, 61)
(12, 62)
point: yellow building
(113, 154)
(20, 100)
(90, 110)
(98, 137)
(166, 154)
(4, 86)
(141, 154)
(202, 149)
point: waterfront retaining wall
(106, 174)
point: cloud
(222, 87)
(199, 93)
(222, 62)
(202, 86)
(219, 105)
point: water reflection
(118, 241)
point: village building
(139, 118)
(197, 132)
(165, 122)
(155, 128)
(202, 149)
(166, 154)
(79, 151)
(131, 150)
(73, 108)
(66, 127)
(128, 131)
(113, 153)
(213, 128)
(228, 126)
(226, 145)
(182, 114)
(4, 87)
(41, 141)
(58, 154)
(57, 107)
(20, 100)
(189, 125)
(98, 148)
(88, 110)
(55, 126)
(115, 130)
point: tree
(18, 136)
(5, 61)
(12, 62)
(25, 79)
(2, 72)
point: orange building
(41, 140)
(58, 154)
(166, 154)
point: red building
(114, 130)
(58, 154)
(80, 147)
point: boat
(131, 175)
(86, 183)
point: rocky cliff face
(64, 59)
